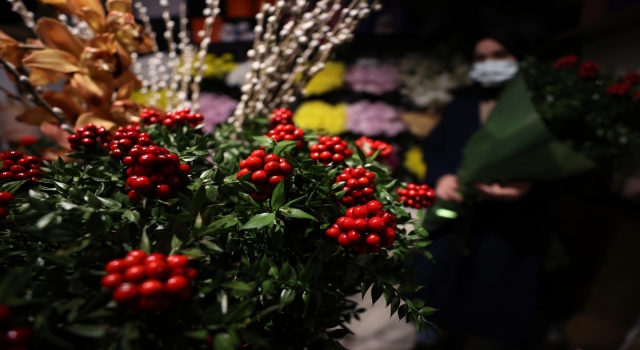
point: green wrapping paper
(513, 145)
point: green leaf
(426, 311)
(239, 288)
(376, 292)
(131, 216)
(199, 198)
(230, 179)
(38, 194)
(286, 272)
(352, 272)
(145, 245)
(409, 288)
(93, 200)
(185, 202)
(260, 220)
(265, 141)
(286, 297)
(223, 342)
(45, 220)
(284, 146)
(395, 303)
(364, 287)
(278, 196)
(403, 311)
(372, 157)
(176, 243)
(361, 156)
(297, 214)
(88, 330)
(109, 203)
(293, 202)
(268, 287)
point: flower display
(373, 78)
(589, 69)
(414, 162)
(320, 116)
(216, 109)
(427, 80)
(219, 66)
(374, 119)
(565, 62)
(330, 78)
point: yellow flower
(330, 78)
(321, 117)
(143, 99)
(218, 67)
(413, 161)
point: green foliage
(579, 111)
(267, 276)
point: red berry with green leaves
(416, 196)
(327, 148)
(370, 146)
(359, 184)
(267, 171)
(365, 228)
(281, 116)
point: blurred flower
(589, 69)
(427, 81)
(373, 78)
(237, 76)
(321, 117)
(218, 66)
(632, 78)
(565, 62)
(216, 109)
(413, 161)
(26, 141)
(373, 119)
(143, 98)
(328, 79)
(618, 89)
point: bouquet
(156, 235)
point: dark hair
(521, 36)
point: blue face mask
(492, 73)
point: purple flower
(216, 109)
(374, 119)
(373, 78)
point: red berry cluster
(565, 62)
(281, 116)
(417, 196)
(365, 228)
(125, 138)
(149, 283)
(171, 119)
(28, 140)
(5, 199)
(267, 171)
(18, 166)
(589, 69)
(370, 146)
(287, 132)
(330, 150)
(91, 137)
(359, 185)
(14, 338)
(618, 89)
(153, 168)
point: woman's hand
(508, 192)
(447, 188)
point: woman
(485, 270)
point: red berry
(154, 257)
(374, 248)
(254, 163)
(347, 224)
(185, 168)
(272, 168)
(168, 169)
(275, 180)
(242, 173)
(389, 234)
(176, 285)
(163, 191)
(259, 197)
(114, 266)
(259, 177)
(376, 224)
(259, 153)
(271, 158)
(360, 212)
(337, 158)
(373, 239)
(132, 260)
(125, 293)
(135, 274)
(353, 236)
(6, 175)
(285, 168)
(158, 178)
(174, 261)
(157, 269)
(343, 240)
(112, 280)
(333, 232)
(147, 160)
(191, 273)
(174, 181)
(360, 225)
(134, 196)
(151, 288)
(6, 198)
(360, 247)
(138, 253)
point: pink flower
(216, 109)
(375, 79)
(374, 119)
